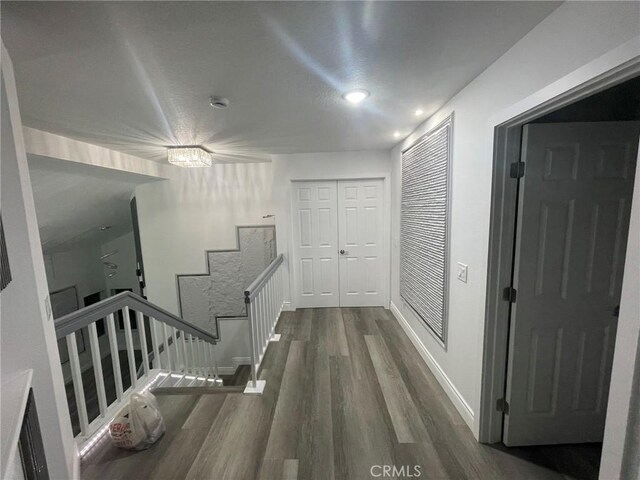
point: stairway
(157, 351)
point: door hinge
(502, 406)
(517, 170)
(509, 294)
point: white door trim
(386, 181)
(614, 67)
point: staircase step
(195, 390)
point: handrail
(265, 300)
(255, 287)
(74, 321)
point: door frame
(623, 63)
(386, 234)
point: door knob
(342, 252)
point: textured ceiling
(73, 200)
(136, 76)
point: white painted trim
(257, 390)
(275, 337)
(452, 392)
(288, 307)
(76, 466)
(605, 65)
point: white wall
(621, 448)
(318, 166)
(80, 267)
(197, 210)
(126, 261)
(23, 311)
(572, 36)
(234, 347)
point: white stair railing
(264, 299)
(180, 354)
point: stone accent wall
(220, 292)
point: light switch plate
(462, 272)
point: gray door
(573, 220)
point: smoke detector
(219, 102)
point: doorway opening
(568, 176)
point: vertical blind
(424, 227)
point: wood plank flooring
(346, 391)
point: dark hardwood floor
(346, 391)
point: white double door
(338, 243)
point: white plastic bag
(139, 424)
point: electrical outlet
(462, 272)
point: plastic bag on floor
(139, 424)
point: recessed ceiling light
(419, 112)
(355, 96)
(396, 134)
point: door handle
(343, 252)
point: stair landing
(188, 418)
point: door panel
(360, 221)
(315, 248)
(573, 221)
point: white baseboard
(237, 361)
(287, 307)
(226, 370)
(452, 392)
(231, 319)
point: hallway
(346, 391)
